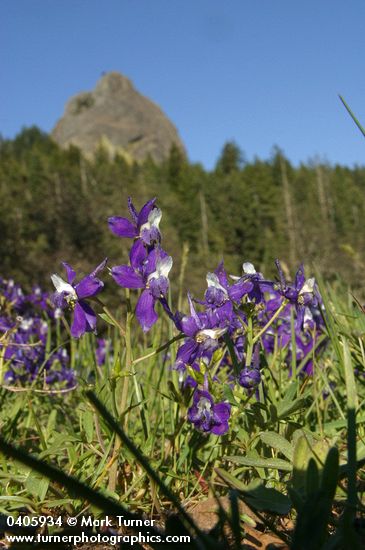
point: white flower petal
(212, 280)
(248, 268)
(204, 405)
(213, 333)
(163, 266)
(308, 286)
(154, 218)
(61, 285)
(308, 317)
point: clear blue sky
(258, 72)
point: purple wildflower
(144, 225)
(207, 416)
(301, 293)
(250, 376)
(251, 283)
(148, 272)
(74, 295)
(202, 337)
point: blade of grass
(350, 512)
(362, 130)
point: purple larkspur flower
(251, 283)
(301, 292)
(144, 224)
(74, 295)
(202, 332)
(207, 416)
(148, 272)
(219, 291)
(250, 376)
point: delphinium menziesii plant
(25, 335)
(223, 337)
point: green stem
(128, 356)
(158, 350)
(250, 342)
(109, 313)
(270, 322)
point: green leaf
(286, 408)
(231, 480)
(330, 473)
(228, 395)
(51, 424)
(274, 463)
(257, 495)
(300, 460)
(37, 485)
(312, 478)
(108, 319)
(88, 424)
(279, 443)
(267, 499)
(304, 451)
(352, 402)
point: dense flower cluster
(216, 343)
(223, 337)
(24, 331)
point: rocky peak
(118, 116)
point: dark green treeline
(54, 206)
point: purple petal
(299, 277)
(222, 411)
(132, 210)
(222, 275)
(89, 316)
(126, 277)
(220, 429)
(266, 286)
(189, 326)
(145, 311)
(145, 210)
(185, 352)
(281, 274)
(193, 414)
(238, 290)
(70, 273)
(159, 287)
(153, 256)
(224, 314)
(88, 286)
(122, 227)
(99, 268)
(199, 394)
(84, 319)
(137, 254)
(78, 327)
(193, 312)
